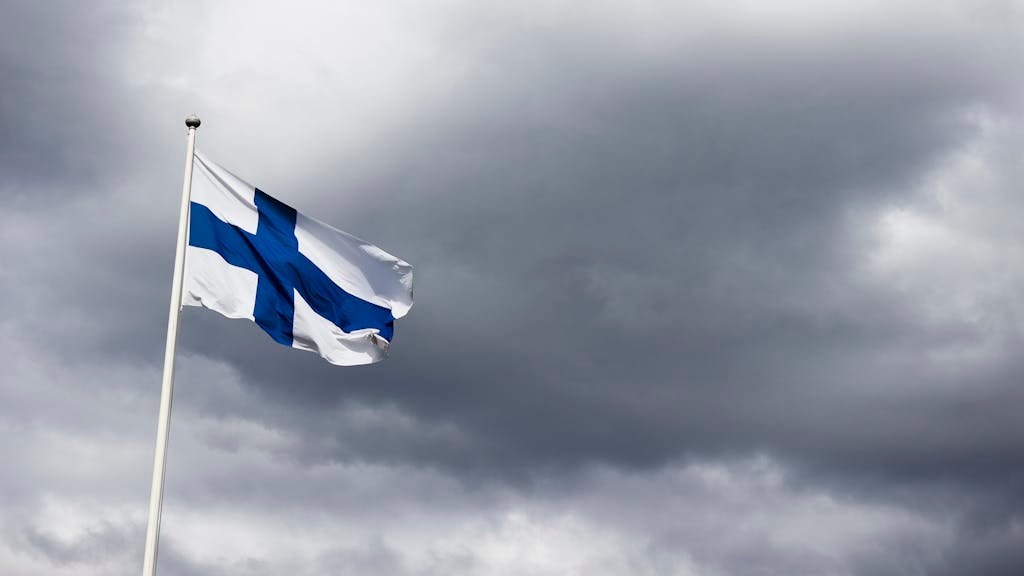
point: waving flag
(308, 285)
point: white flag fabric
(308, 285)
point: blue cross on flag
(308, 285)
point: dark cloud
(630, 265)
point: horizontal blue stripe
(272, 253)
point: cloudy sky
(703, 288)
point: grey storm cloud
(724, 290)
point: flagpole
(156, 496)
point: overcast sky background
(702, 288)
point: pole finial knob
(192, 121)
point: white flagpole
(156, 496)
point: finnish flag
(305, 283)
